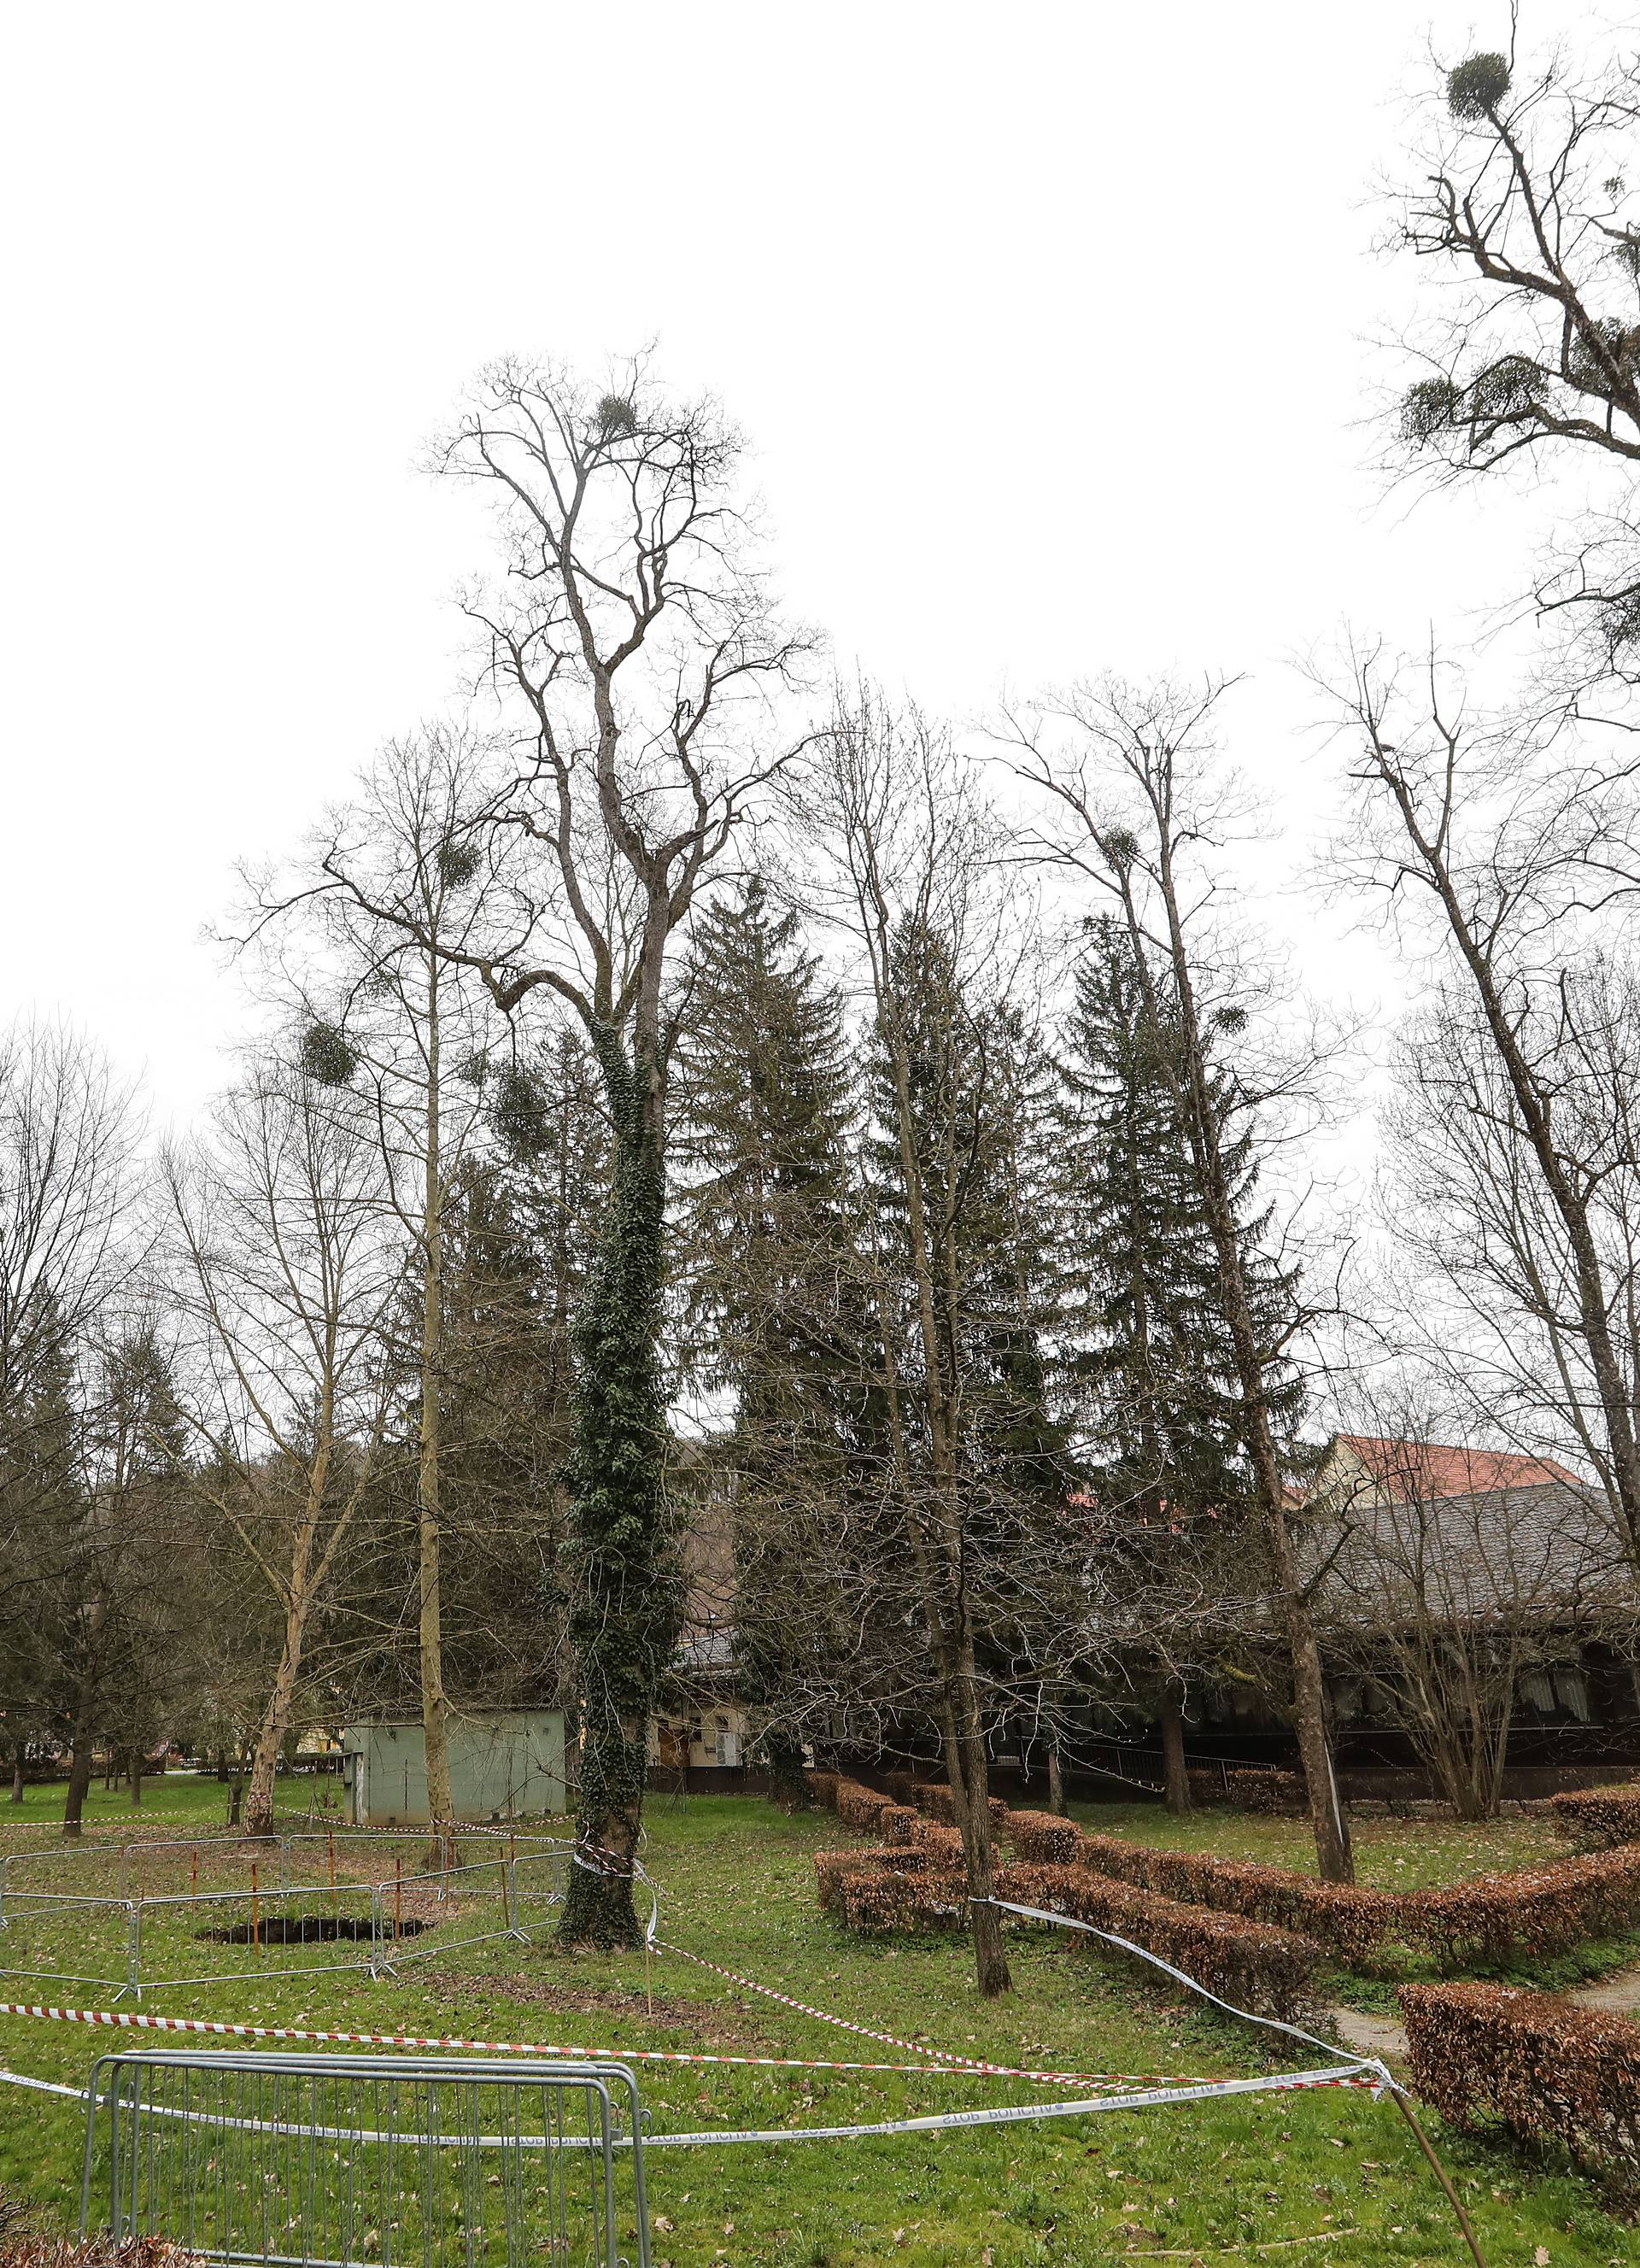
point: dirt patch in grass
(712, 2019)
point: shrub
(941, 1844)
(1531, 1912)
(932, 1798)
(1271, 1972)
(897, 1822)
(1248, 1789)
(1597, 1817)
(823, 1788)
(830, 1869)
(901, 1785)
(1352, 1922)
(1548, 2070)
(859, 1807)
(1043, 1836)
(884, 1901)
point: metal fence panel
(388, 2161)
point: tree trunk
(435, 1715)
(84, 1709)
(967, 1776)
(1334, 1861)
(276, 1717)
(18, 1756)
(1176, 1773)
(625, 1595)
(1055, 1777)
(134, 1761)
(946, 1599)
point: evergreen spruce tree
(765, 1085)
(1152, 1359)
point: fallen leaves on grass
(712, 2019)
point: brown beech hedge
(1250, 1790)
(1355, 1923)
(1528, 1913)
(860, 1807)
(1597, 1817)
(1270, 1971)
(1524, 1915)
(1549, 2070)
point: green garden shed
(504, 1763)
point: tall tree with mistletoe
(633, 647)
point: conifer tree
(765, 1081)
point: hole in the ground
(307, 1929)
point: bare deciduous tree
(403, 1025)
(1482, 843)
(1522, 202)
(632, 645)
(290, 1282)
(1141, 801)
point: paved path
(1383, 2035)
(1372, 2036)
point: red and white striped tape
(136, 2021)
(946, 2059)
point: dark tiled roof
(1537, 1550)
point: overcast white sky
(1051, 326)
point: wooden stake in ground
(256, 1909)
(1424, 2144)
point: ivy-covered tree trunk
(625, 1596)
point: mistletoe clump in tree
(1154, 1363)
(635, 652)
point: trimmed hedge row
(871, 1813)
(860, 1807)
(1272, 1973)
(888, 1901)
(1598, 1818)
(1354, 1922)
(1042, 1837)
(932, 1798)
(1534, 1911)
(1530, 1912)
(1548, 2070)
(830, 1869)
(1251, 1790)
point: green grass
(1391, 1854)
(196, 1798)
(1213, 2180)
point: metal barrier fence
(394, 2161)
(136, 1936)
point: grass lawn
(1391, 1854)
(1325, 2177)
(198, 1799)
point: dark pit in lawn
(306, 1929)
